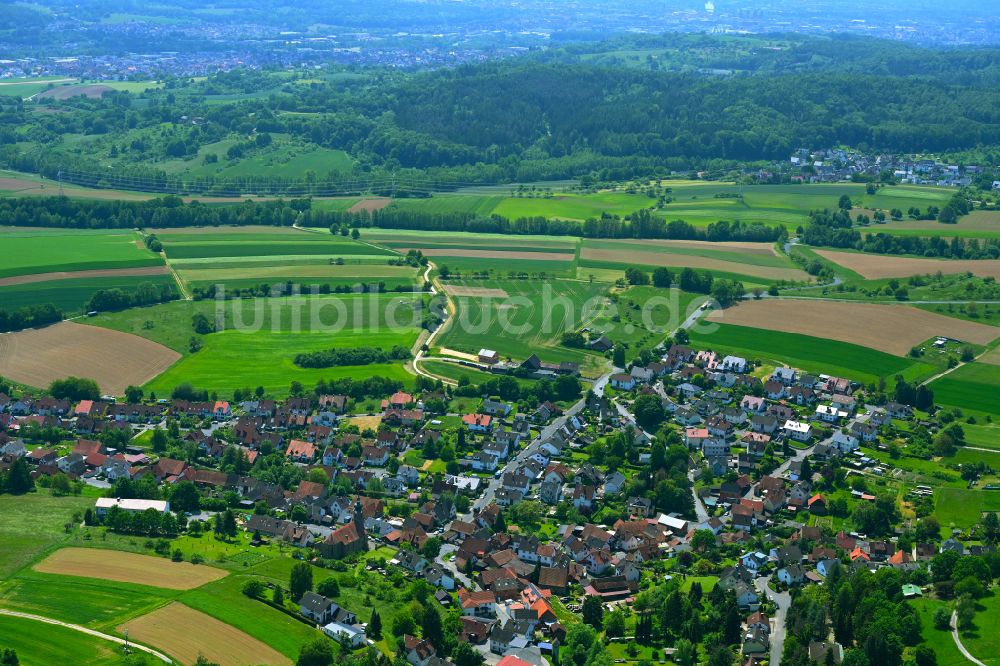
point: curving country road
(958, 641)
(84, 630)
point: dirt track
(894, 329)
(876, 266)
(69, 275)
(112, 358)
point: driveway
(447, 549)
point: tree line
(834, 229)
(328, 358)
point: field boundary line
(185, 294)
(92, 632)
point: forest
(541, 116)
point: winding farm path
(84, 630)
(958, 641)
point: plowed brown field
(876, 266)
(112, 358)
(894, 329)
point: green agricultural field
(974, 387)
(500, 268)
(90, 602)
(39, 644)
(530, 320)
(977, 224)
(982, 435)
(72, 295)
(314, 274)
(207, 245)
(404, 238)
(262, 338)
(810, 353)
(963, 508)
(450, 203)
(574, 206)
(33, 252)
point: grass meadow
(974, 387)
(962, 507)
(810, 353)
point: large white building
(104, 504)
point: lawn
(72, 295)
(39, 644)
(963, 508)
(972, 387)
(809, 353)
(939, 640)
(32, 524)
(530, 320)
(32, 252)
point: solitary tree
(300, 580)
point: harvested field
(369, 205)
(493, 254)
(186, 634)
(732, 246)
(80, 275)
(457, 354)
(992, 357)
(482, 292)
(19, 185)
(128, 568)
(67, 92)
(876, 266)
(112, 358)
(894, 329)
(365, 422)
(690, 261)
